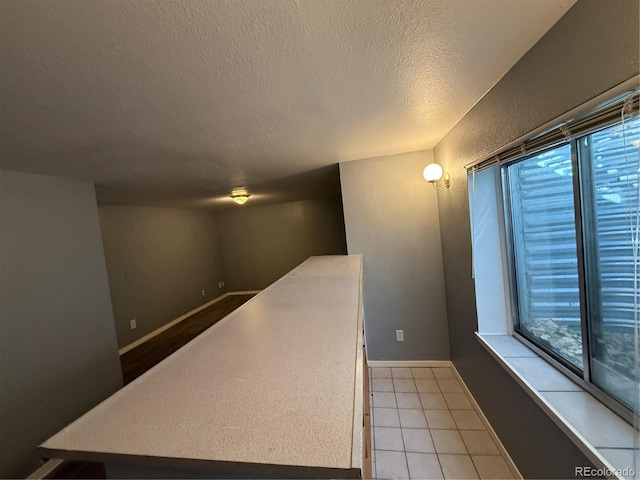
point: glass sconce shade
(432, 172)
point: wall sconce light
(240, 196)
(433, 173)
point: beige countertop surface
(272, 383)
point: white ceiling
(175, 102)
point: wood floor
(137, 361)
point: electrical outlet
(223, 283)
(219, 284)
(133, 324)
(399, 335)
(203, 293)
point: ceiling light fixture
(240, 198)
(433, 173)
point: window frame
(580, 377)
(508, 213)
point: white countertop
(272, 383)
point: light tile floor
(424, 427)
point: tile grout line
(475, 469)
(374, 469)
(429, 429)
(406, 457)
(427, 422)
(404, 447)
(468, 453)
(435, 452)
(513, 468)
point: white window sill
(607, 440)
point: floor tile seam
(411, 428)
(396, 451)
(448, 409)
(371, 414)
(404, 446)
(468, 455)
(424, 378)
(486, 454)
(472, 430)
(430, 437)
(423, 408)
(438, 380)
(437, 460)
(460, 429)
(439, 389)
(395, 394)
(426, 453)
(499, 454)
(463, 442)
(374, 467)
(422, 428)
(373, 439)
(399, 378)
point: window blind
(607, 114)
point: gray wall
(58, 351)
(159, 260)
(591, 49)
(391, 216)
(261, 244)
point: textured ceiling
(175, 102)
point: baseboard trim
(410, 363)
(503, 451)
(46, 470)
(166, 326)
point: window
(545, 252)
(572, 211)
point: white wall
(58, 350)
(391, 216)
